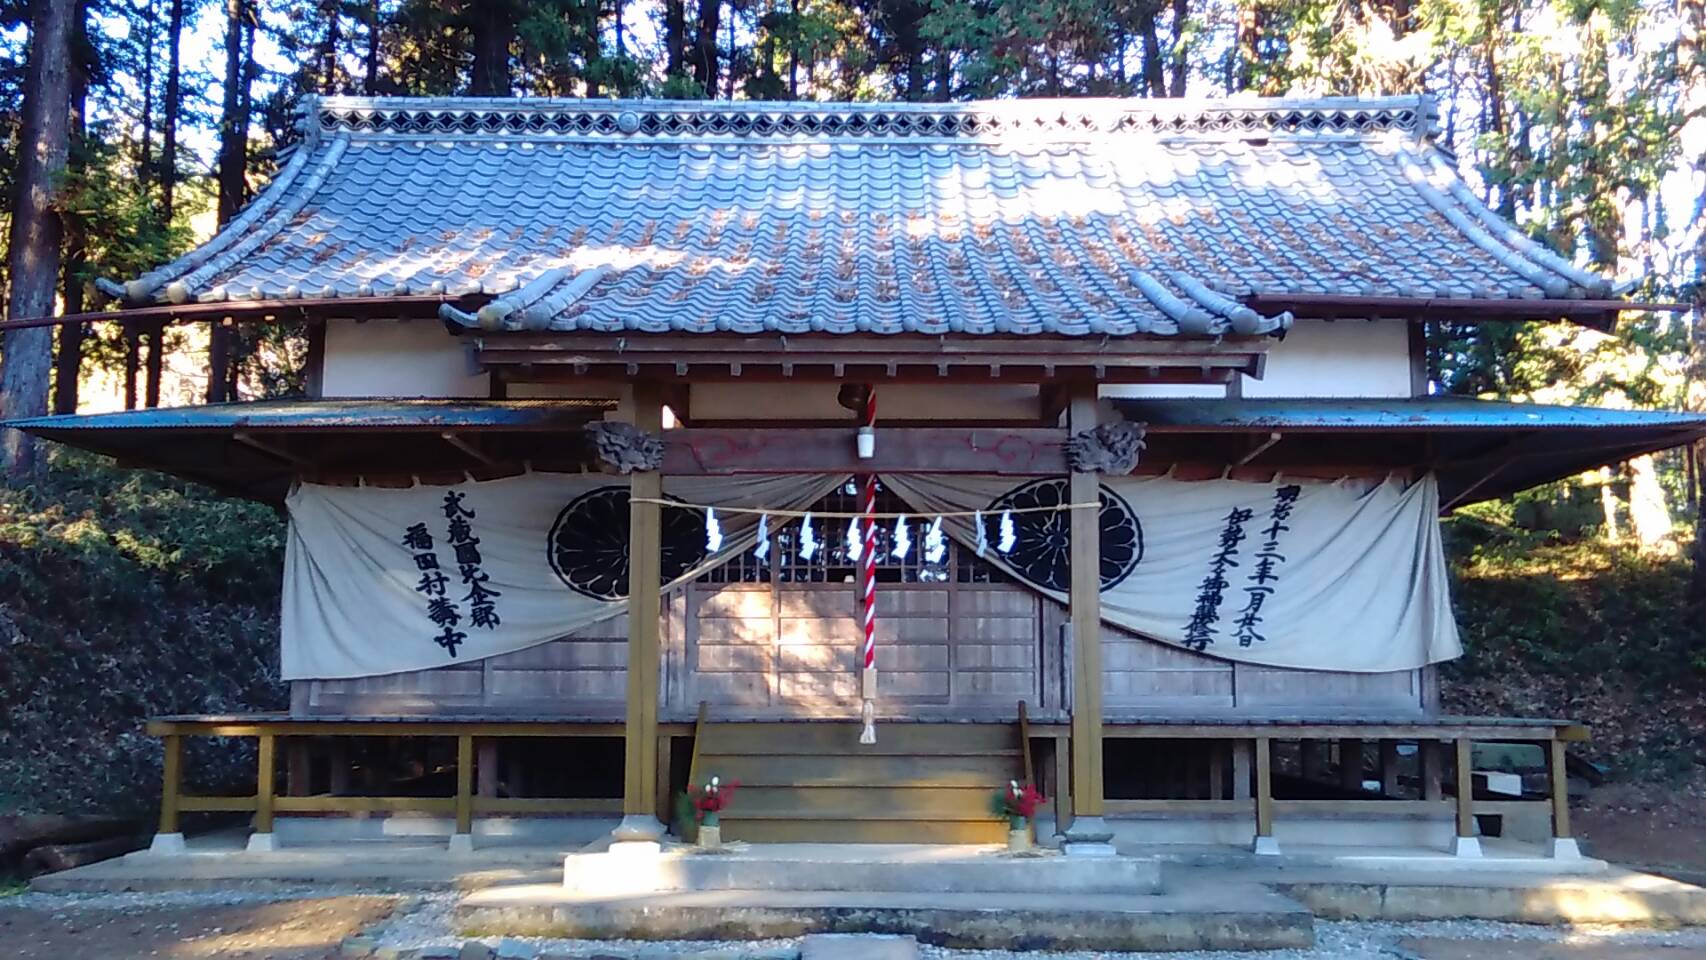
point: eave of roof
(758, 217)
(1479, 449)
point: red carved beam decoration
(710, 451)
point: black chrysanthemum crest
(588, 544)
(1043, 551)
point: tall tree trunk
(370, 85)
(1649, 515)
(705, 46)
(233, 163)
(171, 108)
(1691, 56)
(69, 361)
(493, 28)
(1154, 80)
(332, 39)
(145, 149)
(675, 37)
(1181, 63)
(33, 243)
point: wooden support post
(1433, 773)
(1312, 755)
(645, 608)
(463, 839)
(1265, 843)
(1350, 764)
(1085, 609)
(665, 749)
(1389, 768)
(486, 767)
(261, 841)
(1563, 845)
(1467, 844)
(1062, 761)
(296, 767)
(1217, 764)
(337, 766)
(171, 782)
(1242, 754)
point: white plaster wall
(1317, 358)
(1341, 358)
(895, 401)
(390, 358)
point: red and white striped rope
(870, 550)
(870, 556)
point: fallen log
(64, 856)
(21, 833)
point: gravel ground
(422, 921)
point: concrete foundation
(894, 868)
(1223, 918)
(168, 845)
(571, 832)
(262, 843)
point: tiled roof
(1077, 217)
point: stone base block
(262, 843)
(461, 844)
(858, 946)
(1266, 847)
(1469, 847)
(168, 845)
(1564, 848)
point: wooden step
(865, 831)
(854, 803)
(990, 772)
(814, 782)
(832, 739)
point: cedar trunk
(33, 244)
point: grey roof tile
(1062, 217)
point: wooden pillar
(464, 790)
(297, 768)
(645, 607)
(171, 782)
(1563, 845)
(261, 841)
(1062, 760)
(1389, 779)
(1242, 754)
(1218, 761)
(1350, 764)
(1432, 771)
(1085, 608)
(486, 766)
(337, 767)
(1265, 843)
(1467, 844)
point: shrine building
(875, 456)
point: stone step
(858, 946)
(826, 869)
(1226, 917)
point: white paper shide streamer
(935, 544)
(808, 538)
(1009, 537)
(855, 542)
(902, 539)
(762, 549)
(713, 531)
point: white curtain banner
(382, 580)
(1347, 576)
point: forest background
(140, 125)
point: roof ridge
(1046, 119)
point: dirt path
(309, 929)
(1434, 949)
